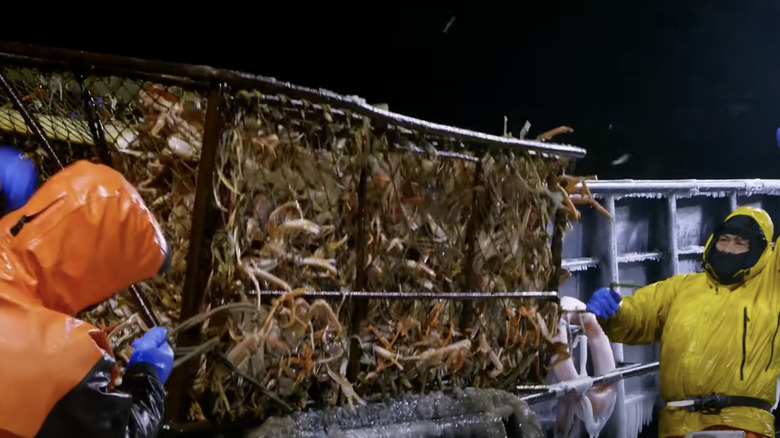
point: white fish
(595, 406)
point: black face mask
(724, 266)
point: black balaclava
(729, 269)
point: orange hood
(84, 236)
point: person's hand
(18, 178)
(604, 303)
(153, 348)
(778, 137)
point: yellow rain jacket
(714, 339)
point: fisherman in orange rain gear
(82, 237)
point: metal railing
(543, 393)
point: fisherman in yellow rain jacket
(718, 331)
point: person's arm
(132, 410)
(641, 317)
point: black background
(690, 89)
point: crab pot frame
(65, 105)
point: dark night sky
(691, 89)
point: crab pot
(294, 219)
(314, 194)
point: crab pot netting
(286, 199)
(288, 190)
(154, 135)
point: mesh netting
(153, 134)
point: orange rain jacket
(83, 236)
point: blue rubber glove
(604, 303)
(18, 178)
(153, 348)
(778, 137)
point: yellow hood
(767, 228)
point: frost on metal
(580, 264)
(692, 250)
(683, 188)
(635, 257)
